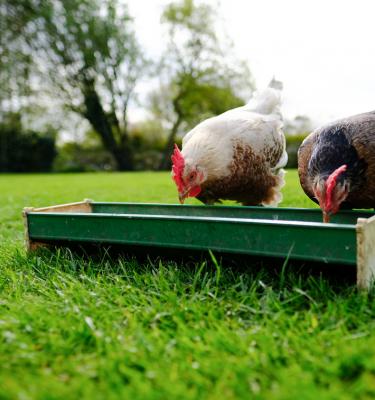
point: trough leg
(365, 253)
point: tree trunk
(124, 158)
(98, 119)
(165, 163)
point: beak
(326, 217)
(182, 196)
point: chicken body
(239, 154)
(347, 142)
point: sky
(322, 50)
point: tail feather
(276, 195)
(268, 101)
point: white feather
(268, 101)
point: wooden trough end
(365, 252)
(77, 207)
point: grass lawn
(112, 328)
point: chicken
(336, 164)
(237, 155)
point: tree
(89, 53)
(199, 78)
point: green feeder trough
(267, 232)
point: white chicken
(237, 155)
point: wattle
(194, 191)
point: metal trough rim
(89, 203)
(255, 221)
(216, 206)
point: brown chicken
(336, 164)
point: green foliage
(200, 55)
(293, 142)
(199, 77)
(103, 327)
(80, 157)
(146, 140)
(187, 15)
(78, 41)
(22, 151)
(204, 99)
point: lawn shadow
(277, 273)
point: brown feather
(251, 180)
(304, 155)
(360, 131)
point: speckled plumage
(242, 152)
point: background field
(112, 328)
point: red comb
(331, 183)
(178, 167)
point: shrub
(293, 143)
(83, 157)
(25, 151)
